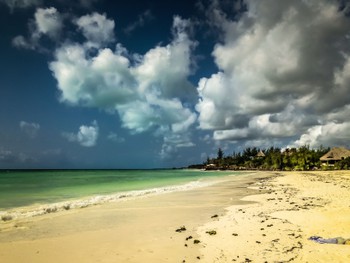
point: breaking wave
(37, 210)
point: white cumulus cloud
(327, 134)
(86, 136)
(47, 22)
(149, 92)
(283, 67)
(97, 29)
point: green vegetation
(342, 165)
(300, 159)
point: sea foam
(37, 210)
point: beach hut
(335, 155)
(260, 154)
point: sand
(140, 230)
(276, 228)
(268, 221)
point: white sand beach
(272, 223)
(276, 228)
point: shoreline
(141, 184)
(84, 202)
(139, 230)
(260, 217)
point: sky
(158, 84)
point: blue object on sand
(324, 240)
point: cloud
(86, 136)
(30, 129)
(13, 4)
(101, 81)
(283, 67)
(330, 134)
(150, 92)
(9, 158)
(173, 142)
(22, 42)
(47, 22)
(140, 22)
(17, 4)
(97, 29)
(115, 138)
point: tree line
(303, 158)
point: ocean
(35, 192)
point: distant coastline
(276, 159)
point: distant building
(335, 155)
(211, 166)
(260, 154)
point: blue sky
(145, 84)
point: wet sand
(140, 230)
(272, 223)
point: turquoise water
(24, 188)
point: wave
(38, 210)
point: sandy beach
(260, 217)
(276, 228)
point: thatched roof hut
(260, 154)
(334, 155)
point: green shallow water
(24, 188)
